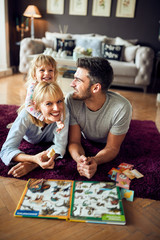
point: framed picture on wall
(55, 6)
(125, 8)
(101, 8)
(78, 7)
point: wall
(144, 26)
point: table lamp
(32, 12)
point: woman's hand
(22, 168)
(43, 161)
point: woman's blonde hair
(43, 90)
(41, 60)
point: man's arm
(107, 154)
(74, 146)
(111, 150)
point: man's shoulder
(114, 96)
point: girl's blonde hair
(43, 90)
(41, 60)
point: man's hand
(86, 166)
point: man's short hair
(100, 70)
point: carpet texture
(141, 148)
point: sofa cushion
(90, 42)
(120, 41)
(112, 52)
(48, 43)
(53, 37)
(76, 36)
(124, 68)
(129, 53)
(109, 40)
(66, 45)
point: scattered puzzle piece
(136, 173)
(51, 153)
(127, 194)
(129, 174)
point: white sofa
(132, 65)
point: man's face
(81, 85)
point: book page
(45, 198)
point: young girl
(43, 68)
(48, 100)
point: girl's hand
(60, 126)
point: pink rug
(141, 148)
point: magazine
(82, 201)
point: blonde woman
(48, 99)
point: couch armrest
(144, 63)
(29, 46)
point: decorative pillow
(51, 36)
(133, 41)
(129, 53)
(112, 52)
(66, 45)
(110, 41)
(120, 41)
(90, 42)
(75, 36)
(48, 43)
(54, 35)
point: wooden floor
(142, 215)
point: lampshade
(32, 11)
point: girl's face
(52, 110)
(44, 73)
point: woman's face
(52, 110)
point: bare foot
(22, 169)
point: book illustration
(85, 201)
(96, 201)
(40, 195)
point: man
(100, 115)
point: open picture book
(82, 201)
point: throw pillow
(48, 43)
(120, 41)
(110, 41)
(90, 42)
(52, 35)
(66, 45)
(112, 52)
(129, 53)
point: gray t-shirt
(114, 116)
